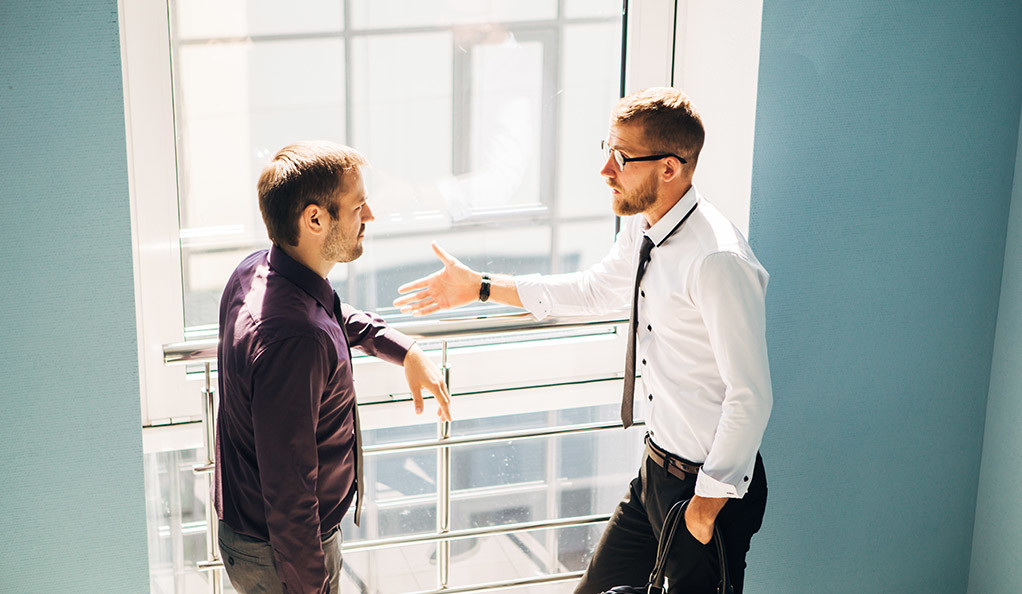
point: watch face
(484, 288)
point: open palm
(452, 286)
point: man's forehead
(352, 180)
(621, 135)
(351, 188)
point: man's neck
(664, 204)
(308, 257)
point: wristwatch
(484, 288)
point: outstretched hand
(453, 286)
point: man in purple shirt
(288, 448)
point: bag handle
(674, 518)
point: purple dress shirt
(285, 444)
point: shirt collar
(659, 232)
(304, 278)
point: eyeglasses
(620, 159)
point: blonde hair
(669, 120)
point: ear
(673, 169)
(314, 220)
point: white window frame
(726, 96)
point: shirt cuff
(533, 294)
(396, 346)
(707, 486)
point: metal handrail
(411, 446)
(203, 350)
(464, 534)
(399, 541)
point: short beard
(335, 249)
(640, 200)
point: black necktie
(359, 474)
(633, 320)
(645, 254)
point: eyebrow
(623, 149)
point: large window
(482, 121)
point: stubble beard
(639, 200)
(338, 248)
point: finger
(410, 298)
(418, 305)
(425, 311)
(446, 258)
(417, 398)
(444, 400)
(417, 284)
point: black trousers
(627, 550)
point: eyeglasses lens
(608, 152)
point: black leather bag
(675, 518)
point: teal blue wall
(997, 543)
(72, 502)
(886, 136)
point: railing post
(213, 563)
(443, 463)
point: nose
(367, 213)
(609, 170)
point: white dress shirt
(701, 341)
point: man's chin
(350, 255)
(354, 254)
(622, 208)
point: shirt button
(649, 327)
(643, 361)
(746, 479)
(651, 398)
(643, 293)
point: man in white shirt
(697, 297)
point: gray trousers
(249, 562)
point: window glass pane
(378, 14)
(481, 560)
(239, 18)
(503, 158)
(516, 247)
(541, 478)
(402, 98)
(399, 569)
(588, 95)
(482, 131)
(577, 238)
(519, 555)
(238, 104)
(176, 501)
(591, 8)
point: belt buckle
(672, 463)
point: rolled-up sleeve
(731, 291)
(288, 383)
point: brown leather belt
(669, 462)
